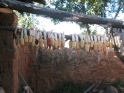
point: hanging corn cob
(45, 39)
(70, 44)
(30, 35)
(56, 41)
(49, 40)
(99, 43)
(95, 43)
(37, 38)
(110, 44)
(25, 36)
(40, 40)
(102, 39)
(92, 42)
(104, 44)
(22, 39)
(87, 45)
(63, 39)
(82, 41)
(59, 40)
(77, 41)
(53, 41)
(33, 37)
(73, 42)
(108, 41)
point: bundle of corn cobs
(91, 42)
(37, 38)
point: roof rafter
(57, 14)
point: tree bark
(57, 14)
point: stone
(111, 89)
(101, 91)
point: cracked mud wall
(48, 69)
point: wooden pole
(57, 14)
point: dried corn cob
(45, 43)
(59, 43)
(95, 46)
(33, 40)
(22, 39)
(40, 42)
(70, 44)
(59, 40)
(45, 39)
(87, 47)
(63, 40)
(99, 46)
(56, 44)
(33, 37)
(110, 44)
(53, 41)
(77, 45)
(82, 43)
(25, 36)
(92, 44)
(73, 44)
(30, 36)
(77, 41)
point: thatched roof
(31, 1)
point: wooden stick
(61, 15)
(90, 88)
(21, 77)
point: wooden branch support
(90, 88)
(57, 14)
(21, 77)
(7, 28)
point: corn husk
(26, 38)
(30, 39)
(56, 44)
(33, 41)
(22, 41)
(45, 43)
(63, 42)
(70, 44)
(87, 47)
(92, 44)
(40, 42)
(82, 43)
(96, 46)
(59, 42)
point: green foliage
(120, 86)
(26, 20)
(91, 32)
(70, 87)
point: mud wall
(48, 69)
(8, 66)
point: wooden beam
(57, 14)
